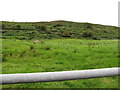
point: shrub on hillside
(43, 28)
(48, 32)
(3, 27)
(96, 38)
(18, 27)
(66, 34)
(88, 33)
(57, 25)
(88, 25)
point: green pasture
(51, 55)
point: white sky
(93, 11)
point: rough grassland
(24, 56)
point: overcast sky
(93, 11)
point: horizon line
(56, 21)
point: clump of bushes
(18, 27)
(48, 32)
(66, 34)
(57, 25)
(40, 27)
(3, 26)
(15, 27)
(88, 33)
(96, 38)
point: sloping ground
(58, 29)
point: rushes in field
(3, 58)
(10, 54)
(31, 47)
(89, 46)
(47, 48)
(22, 53)
(42, 42)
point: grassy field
(50, 55)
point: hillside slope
(58, 29)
